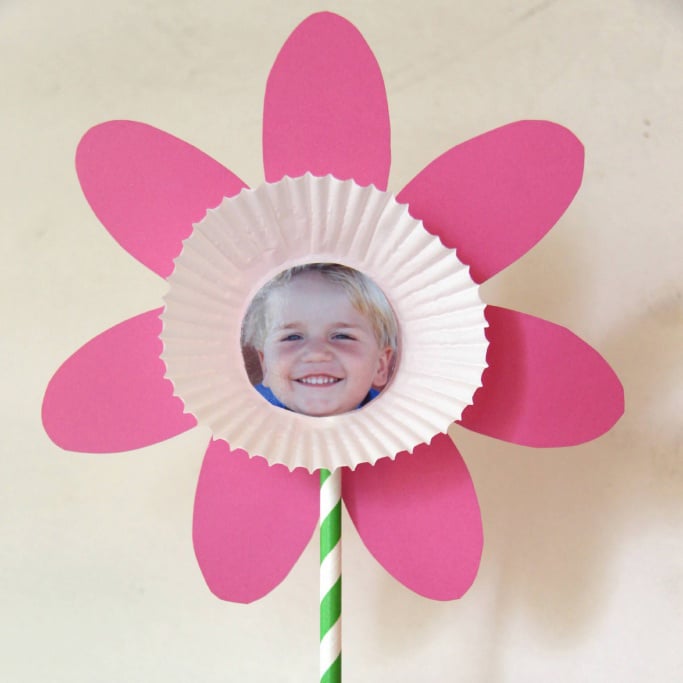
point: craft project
(326, 159)
(252, 237)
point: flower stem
(330, 576)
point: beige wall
(582, 574)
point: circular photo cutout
(320, 339)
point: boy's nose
(317, 349)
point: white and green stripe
(330, 576)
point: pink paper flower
(492, 198)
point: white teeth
(318, 380)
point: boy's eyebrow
(285, 326)
(352, 326)
(294, 324)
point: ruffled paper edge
(247, 240)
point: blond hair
(365, 296)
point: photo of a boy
(325, 336)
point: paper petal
(544, 386)
(111, 395)
(325, 108)
(419, 517)
(148, 187)
(251, 522)
(493, 197)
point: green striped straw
(330, 576)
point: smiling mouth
(318, 380)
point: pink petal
(544, 386)
(419, 517)
(493, 197)
(148, 188)
(111, 395)
(252, 521)
(325, 108)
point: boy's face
(320, 356)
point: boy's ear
(383, 366)
(261, 359)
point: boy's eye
(291, 337)
(342, 335)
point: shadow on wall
(554, 534)
(554, 519)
